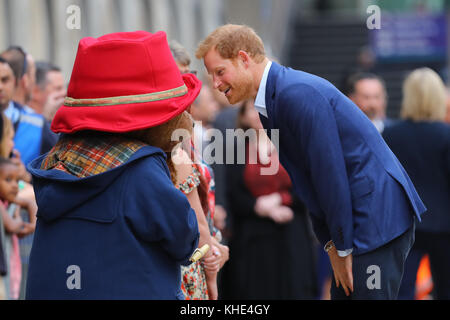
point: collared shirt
(260, 101)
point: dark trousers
(377, 274)
(436, 245)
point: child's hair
(5, 161)
(161, 137)
(7, 127)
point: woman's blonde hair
(424, 96)
(229, 39)
(7, 128)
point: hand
(15, 226)
(211, 262)
(281, 214)
(224, 252)
(30, 206)
(27, 229)
(342, 269)
(265, 204)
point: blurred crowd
(262, 232)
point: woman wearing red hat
(111, 224)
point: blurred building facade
(41, 26)
(318, 36)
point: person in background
(421, 141)
(14, 226)
(7, 149)
(22, 213)
(33, 136)
(49, 92)
(25, 73)
(368, 92)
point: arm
(12, 224)
(313, 125)
(183, 166)
(31, 207)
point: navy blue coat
(357, 192)
(424, 150)
(127, 230)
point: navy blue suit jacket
(356, 190)
(424, 150)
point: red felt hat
(124, 82)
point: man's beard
(241, 89)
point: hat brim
(125, 117)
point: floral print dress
(193, 279)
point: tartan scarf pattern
(90, 155)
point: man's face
(229, 76)
(7, 84)
(370, 97)
(55, 83)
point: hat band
(140, 98)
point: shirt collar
(11, 112)
(260, 101)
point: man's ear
(25, 81)
(244, 57)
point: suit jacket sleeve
(310, 118)
(160, 213)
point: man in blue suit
(361, 200)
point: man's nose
(216, 83)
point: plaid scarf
(84, 156)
